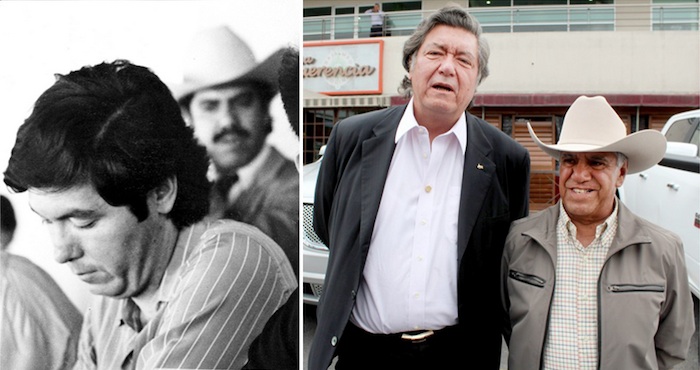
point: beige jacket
(645, 311)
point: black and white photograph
(149, 152)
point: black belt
(410, 337)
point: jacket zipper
(527, 278)
(631, 288)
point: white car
(668, 194)
(315, 253)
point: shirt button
(428, 188)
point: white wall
(40, 38)
(640, 62)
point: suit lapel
(476, 180)
(377, 152)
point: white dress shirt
(410, 276)
(377, 18)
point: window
(544, 15)
(317, 128)
(675, 18)
(401, 6)
(592, 19)
(318, 27)
(315, 12)
(538, 2)
(318, 124)
(674, 1)
(488, 3)
(590, 2)
(540, 19)
(682, 130)
(675, 15)
(344, 23)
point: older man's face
(444, 74)
(587, 184)
(232, 123)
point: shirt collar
(603, 228)
(408, 122)
(130, 312)
(168, 284)
(246, 174)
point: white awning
(325, 101)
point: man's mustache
(235, 131)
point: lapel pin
(479, 166)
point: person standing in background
(376, 21)
(39, 325)
(225, 97)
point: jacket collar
(479, 170)
(377, 152)
(629, 231)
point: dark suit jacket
(277, 347)
(271, 204)
(495, 189)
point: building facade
(642, 55)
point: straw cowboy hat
(217, 56)
(592, 125)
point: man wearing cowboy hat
(225, 96)
(586, 283)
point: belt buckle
(417, 338)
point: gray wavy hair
(453, 16)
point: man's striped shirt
(224, 281)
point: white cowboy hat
(592, 125)
(217, 56)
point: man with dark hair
(225, 96)
(414, 203)
(120, 182)
(8, 222)
(289, 86)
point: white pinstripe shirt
(223, 283)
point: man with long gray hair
(414, 203)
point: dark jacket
(349, 188)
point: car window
(682, 130)
(695, 139)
